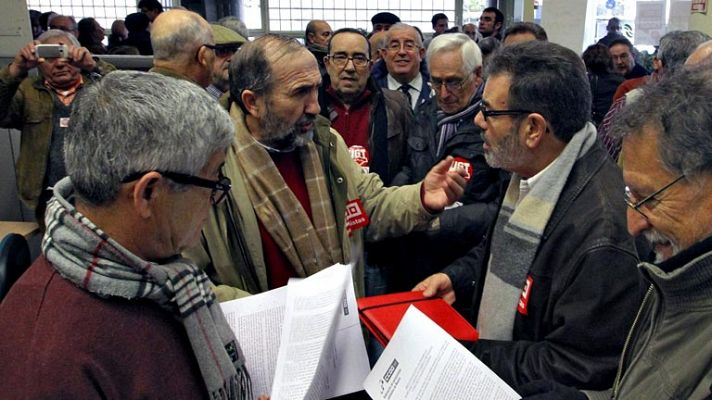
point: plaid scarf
(86, 256)
(309, 247)
(516, 237)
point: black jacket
(412, 258)
(391, 120)
(585, 287)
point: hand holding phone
(51, 51)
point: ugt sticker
(524, 298)
(462, 164)
(356, 217)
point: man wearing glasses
(374, 122)
(445, 128)
(110, 305)
(666, 146)
(183, 46)
(402, 67)
(300, 203)
(554, 287)
(227, 42)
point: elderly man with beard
(40, 107)
(227, 42)
(299, 200)
(667, 150)
(554, 286)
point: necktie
(406, 91)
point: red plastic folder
(382, 314)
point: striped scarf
(448, 123)
(83, 254)
(309, 246)
(516, 237)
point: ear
(249, 100)
(498, 26)
(536, 129)
(382, 52)
(145, 192)
(326, 60)
(202, 56)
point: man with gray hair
(667, 152)
(110, 305)
(554, 286)
(183, 46)
(301, 202)
(402, 67)
(40, 107)
(445, 128)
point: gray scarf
(516, 237)
(83, 254)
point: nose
(349, 66)
(312, 105)
(637, 223)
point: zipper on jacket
(619, 374)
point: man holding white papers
(554, 286)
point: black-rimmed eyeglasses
(220, 188)
(340, 60)
(486, 113)
(632, 202)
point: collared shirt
(415, 85)
(66, 96)
(214, 91)
(526, 185)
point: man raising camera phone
(40, 107)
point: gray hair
(181, 45)
(471, 54)
(549, 79)
(58, 33)
(399, 26)
(676, 46)
(680, 110)
(134, 121)
(251, 67)
(235, 24)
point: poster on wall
(699, 6)
(649, 22)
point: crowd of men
(234, 165)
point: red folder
(382, 314)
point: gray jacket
(669, 352)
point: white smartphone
(51, 51)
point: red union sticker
(356, 217)
(462, 164)
(360, 155)
(524, 298)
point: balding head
(702, 54)
(178, 38)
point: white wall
(570, 23)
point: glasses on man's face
(486, 113)
(223, 50)
(649, 201)
(340, 60)
(409, 46)
(452, 85)
(220, 188)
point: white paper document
(302, 341)
(422, 361)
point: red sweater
(59, 341)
